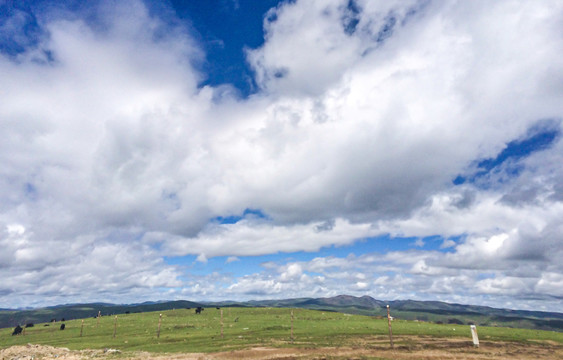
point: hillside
(11, 318)
(434, 311)
(431, 311)
(270, 333)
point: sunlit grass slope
(184, 331)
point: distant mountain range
(434, 311)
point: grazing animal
(62, 326)
(218, 308)
(53, 320)
(17, 331)
(29, 325)
(63, 319)
(199, 310)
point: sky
(237, 150)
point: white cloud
(292, 273)
(260, 238)
(111, 151)
(419, 243)
(368, 275)
(231, 259)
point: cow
(218, 308)
(17, 331)
(29, 325)
(199, 310)
(62, 326)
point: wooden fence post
(115, 326)
(159, 322)
(389, 324)
(99, 315)
(291, 326)
(81, 328)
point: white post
(389, 324)
(474, 335)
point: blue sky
(238, 150)
(225, 30)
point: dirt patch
(409, 348)
(406, 348)
(34, 352)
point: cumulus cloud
(250, 238)
(84, 269)
(366, 113)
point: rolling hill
(430, 311)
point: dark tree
(455, 321)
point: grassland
(182, 331)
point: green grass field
(183, 331)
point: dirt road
(407, 348)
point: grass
(184, 331)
